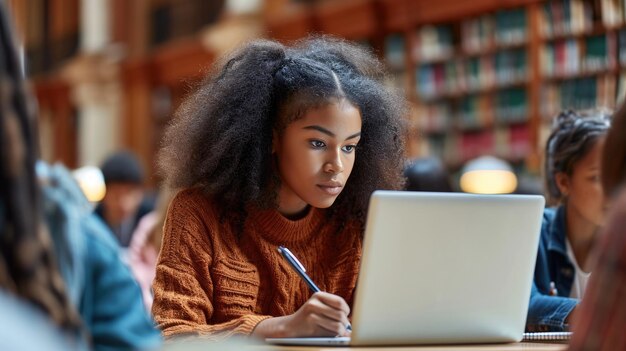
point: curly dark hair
(221, 137)
(573, 134)
(28, 264)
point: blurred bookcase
(482, 76)
(471, 85)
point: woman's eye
(349, 148)
(317, 144)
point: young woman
(599, 325)
(572, 170)
(281, 146)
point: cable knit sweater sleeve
(183, 287)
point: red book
(560, 53)
(519, 141)
(474, 144)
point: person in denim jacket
(569, 231)
(98, 281)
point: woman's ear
(563, 183)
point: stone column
(96, 92)
(95, 88)
(95, 28)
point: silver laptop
(443, 268)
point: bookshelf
(485, 76)
(471, 85)
(579, 54)
(583, 44)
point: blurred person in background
(125, 201)
(145, 246)
(427, 174)
(568, 234)
(600, 323)
(68, 266)
(99, 282)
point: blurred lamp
(488, 175)
(91, 182)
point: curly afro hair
(221, 137)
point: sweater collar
(279, 229)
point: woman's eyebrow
(320, 129)
(355, 135)
(328, 132)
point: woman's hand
(323, 314)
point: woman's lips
(330, 189)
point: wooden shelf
(351, 19)
(396, 15)
(497, 122)
(578, 75)
(493, 49)
(425, 11)
(468, 92)
(596, 30)
(435, 60)
(291, 22)
(461, 54)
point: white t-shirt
(580, 277)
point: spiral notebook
(548, 337)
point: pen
(299, 268)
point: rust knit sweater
(210, 283)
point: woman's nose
(334, 165)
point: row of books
(613, 12)
(506, 106)
(395, 48)
(510, 26)
(505, 28)
(564, 17)
(477, 34)
(511, 139)
(474, 74)
(572, 56)
(475, 111)
(563, 57)
(433, 43)
(510, 106)
(510, 142)
(581, 93)
(434, 118)
(502, 29)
